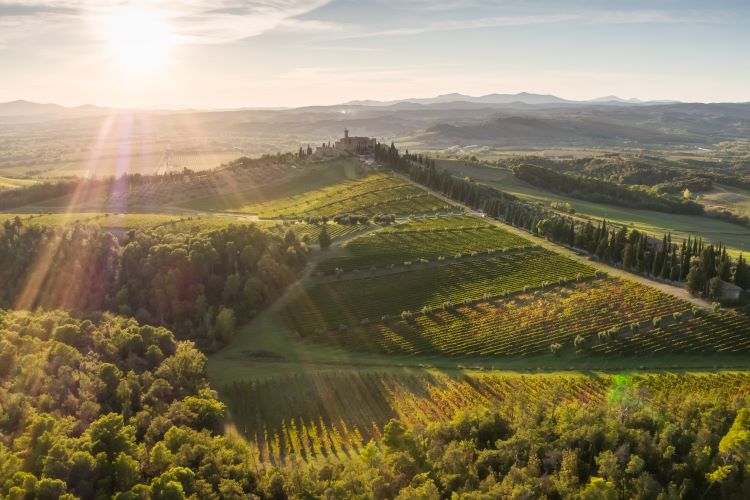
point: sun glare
(139, 39)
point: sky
(273, 53)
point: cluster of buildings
(347, 144)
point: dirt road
(677, 291)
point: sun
(138, 39)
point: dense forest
(200, 284)
(659, 174)
(91, 408)
(109, 408)
(604, 192)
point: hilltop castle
(347, 144)
(355, 144)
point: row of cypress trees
(700, 265)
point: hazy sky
(229, 53)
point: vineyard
(428, 238)
(720, 332)
(523, 325)
(342, 303)
(332, 415)
(125, 221)
(439, 223)
(371, 195)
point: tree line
(200, 285)
(661, 176)
(600, 191)
(701, 266)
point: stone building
(730, 291)
(346, 145)
(355, 144)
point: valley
(374, 250)
(347, 293)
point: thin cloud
(225, 22)
(466, 24)
(588, 18)
(193, 21)
(16, 9)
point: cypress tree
(696, 280)
(323, 238)
(628, 257)
(741, 274)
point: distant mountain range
(496, 120)
(520, 98)
(504, 130)
(25, 111)
(28, 111)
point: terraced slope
(422, 239)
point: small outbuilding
(729, 291)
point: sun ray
(138, 38)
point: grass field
(730, 198)
(735, 237)
(109, 163)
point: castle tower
(346, 133)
